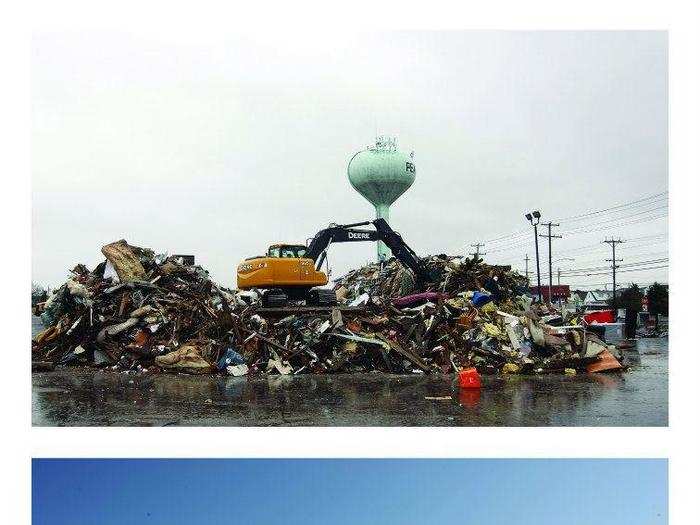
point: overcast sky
(221, 148)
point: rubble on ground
(139, 311)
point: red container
(601, 316)
(469, 378)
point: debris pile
(147, 312)
(133, 310)
(474, 315)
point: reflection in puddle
(93, 397)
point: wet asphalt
(89, 397)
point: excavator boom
(383, 232)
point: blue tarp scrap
(230, 357)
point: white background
(207, 20)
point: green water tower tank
(381, 174)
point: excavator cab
(284, 266)
(287, 251)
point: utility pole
(527, 273)
(614, 260)
(549, 240)
(477, 253)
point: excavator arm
(382, 232)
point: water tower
(381, 174)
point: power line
(624, 271)
(630, 223)
(634, 256)
(588, 285)
(627, 204)
(638, 263)
(581, 231)
(592, 248)
(519, 233)
(644, 201)
(641, 206)
(589, 247)
(633, 210)
(604, 270)
(510, 248)
(616, 219)
(629, 257)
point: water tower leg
(383, 251)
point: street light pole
(534, 219)
(537, 262)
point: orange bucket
(469, 378)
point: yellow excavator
(292, 271)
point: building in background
(598, 299)
(560, 292)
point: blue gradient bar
(346, 491)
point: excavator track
(280, 298)
(321, 297)
(300, 310)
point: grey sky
(221, 149)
